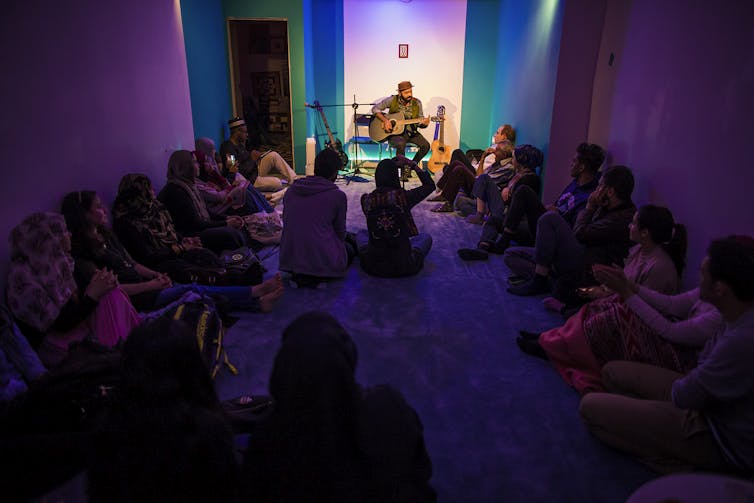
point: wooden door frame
(233, 94)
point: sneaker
(476, 218)
(472, 254)
(537, 285)
(445, 207)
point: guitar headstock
(440, 112)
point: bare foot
(267, 286)
(267, 301)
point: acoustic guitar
(377, 133)
(331, 142)
(440, 150)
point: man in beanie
(410, 108)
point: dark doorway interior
(260, 70)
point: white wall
(435, 31)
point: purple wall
(92, 90)
(677, 106)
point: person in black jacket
(392, 246)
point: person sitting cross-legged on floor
(526, 159)
(313, 246)
(600, 235)
(703, 420)
(392, 245)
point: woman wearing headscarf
(234, 195)
(457, 175)
(526, 159)
(190, 215)
(392, 245)
(328, 439)
(95, 247)
(52, 311)
(145, 227)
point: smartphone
(583, 291)
(232, 158)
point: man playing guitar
(411, 108)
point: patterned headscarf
(41, 279)
(181, 172)
(135, 206)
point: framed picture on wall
(266, 83)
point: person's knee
(548, 219)
(590, 407)
(611, 373)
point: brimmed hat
(402, 86)
(236, 122)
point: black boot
(537, 285)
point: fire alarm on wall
(402, 50)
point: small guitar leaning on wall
(440, 150)
(377, 133)
(331, 142)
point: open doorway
(260, 74)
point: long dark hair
(74, 208)
(658, 221)
(459, 156)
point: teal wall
(527, 64)
(478, 118)
(293, 12)
(207, 60)
(324, 65)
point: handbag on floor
(266, 228)
(242, 266)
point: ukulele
(378, 134)
(332, 142)
(440, 150)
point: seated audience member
(599, 236)
(456, 176)
(499, 173)
(327, 438)
(504, 133)
(590, 337)
(95, 248)
(234, 195)
(190, 215)
(313, 247)
(703, 420)
(525, 203)
(145, 227)
(526, 159)
(52, 312)
(165, 437)
(256, 166)
(392, 245)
